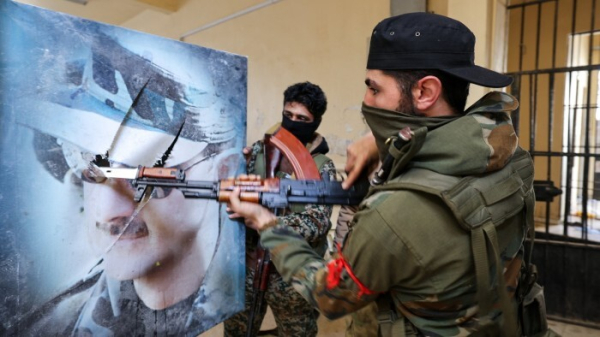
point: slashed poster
(80, 257)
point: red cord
(334, 275)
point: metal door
(553, 53)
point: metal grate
(553, 53)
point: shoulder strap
(390, 323)
(496, 196)
(259, 164)
(320, 160)
(484, 245)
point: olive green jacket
(409, 243)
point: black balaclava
(302, 130)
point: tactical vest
(479, 204)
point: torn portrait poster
(81, 257)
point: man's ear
(426, 93)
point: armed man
(439, 243)
(303, 107)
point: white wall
(322, 41)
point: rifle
(272, 193)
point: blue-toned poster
(79, 256)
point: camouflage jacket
(312, 222)
(408, 243)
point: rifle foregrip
(244, 196)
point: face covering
(302, 130)
(386, 123)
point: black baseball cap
(429, 41)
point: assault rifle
(272, 193)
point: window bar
(586, 160)
(571, 129)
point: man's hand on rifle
(247, 152)
(360, 155)
(255, 215)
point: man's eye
(374, 91)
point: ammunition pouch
(533, 312)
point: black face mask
(302, 130)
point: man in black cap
(438, 243)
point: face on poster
(82, 256)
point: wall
(324, 42)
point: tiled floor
(327, 328)
(336, 328)
(569, 330)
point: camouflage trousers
(363, 323)
(294, 316)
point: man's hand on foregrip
(255, 216)
(361, 155)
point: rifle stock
(260, 283)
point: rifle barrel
(192, 184)
(289, 192)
